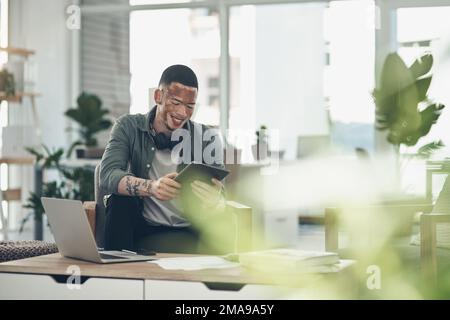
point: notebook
(289, 260)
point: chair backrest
(442, 204)
(100, 217)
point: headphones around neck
(162, 140)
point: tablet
(200, 171)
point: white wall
(290, 61)
(41, 26)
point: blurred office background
(305, 69)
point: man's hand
(211, 196)
(165, 188)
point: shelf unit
(15, 194)
(17, 51)
(11, 194)
(18, 97)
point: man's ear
(158, 96)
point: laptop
(74, 237)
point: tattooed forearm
(136, 187)
(147, 186)
(129, 186)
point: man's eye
(175, 102)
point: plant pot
(232, 156)
(260, 151)
(277, 154)
(94, 153)
(80, 153)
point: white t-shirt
(157, 212)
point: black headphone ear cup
(162, 141)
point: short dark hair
(179, 73)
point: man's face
(176, 104)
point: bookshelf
(17, 51)
(11, 194)
(18, 97)
(25, 99)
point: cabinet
(62, 287)
(17, 135)
(195, 290)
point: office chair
(240, 217)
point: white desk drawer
(186, 290)
(29, 286)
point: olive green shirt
(131, 150)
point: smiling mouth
(176, 120)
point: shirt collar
(147, 122)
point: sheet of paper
(194, 263)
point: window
(421, 30)
(105, 66)
(192, 39)
(304, 69)
(311, 62)
(105, 59)
(349, 73)
(277, 64)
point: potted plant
(72, 183)
(403, 109)
(7, 84)
(261, 148)
(232, 154)
(90, 117)
(55, 189)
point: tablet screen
(200, 171)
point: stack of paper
(290, 260)
(194, 263)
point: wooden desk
(47, 277)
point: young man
(137, 169)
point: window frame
(385, 38)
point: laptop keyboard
(108, 256)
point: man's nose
(181, 111)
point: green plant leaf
(25, 220)
(39, 156)
(76, 183)
(429, 117)
(53, 158)
(421, 66)
(395, 75)
(398, 99)
(428, 149)
(75, 115)
(72, 146)
(90, 117)
(422, 86)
